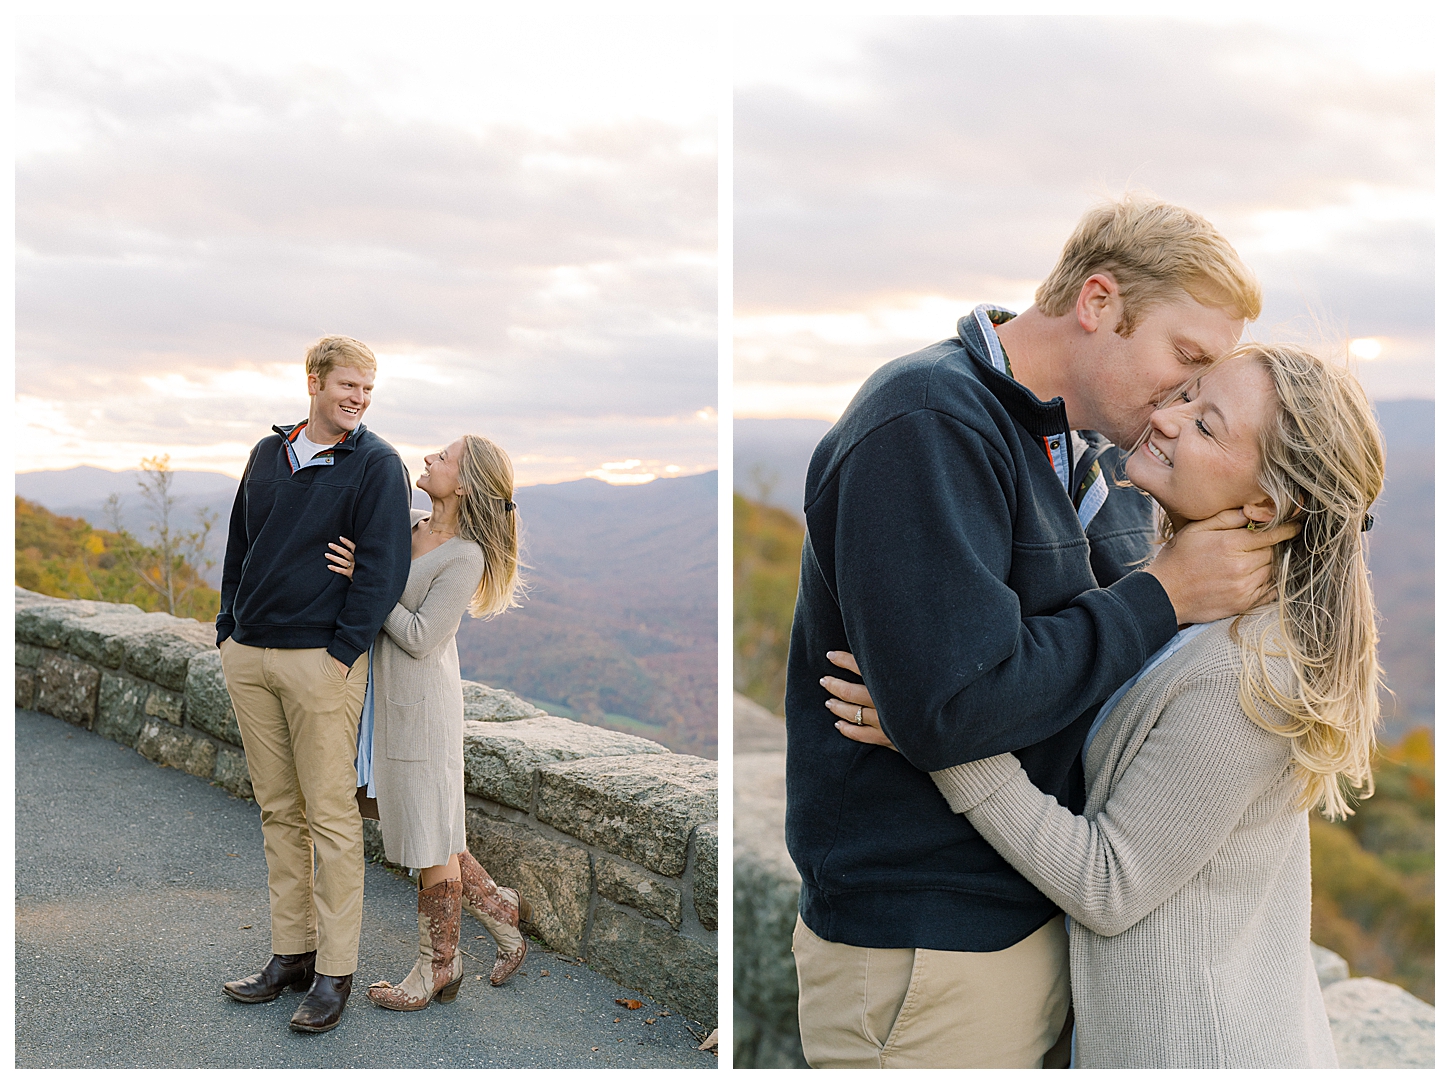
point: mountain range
(619, 627)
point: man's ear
(1098, 303)
(313, 384)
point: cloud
(952, 158)
(200, 225)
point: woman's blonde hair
(487, 515)
(1322, 461)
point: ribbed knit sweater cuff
(966, 786)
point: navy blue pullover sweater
(942, 550)
(277, 589)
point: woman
(1187, 876)
(465, 556)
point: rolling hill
(619, 628)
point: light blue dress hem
(364, 761)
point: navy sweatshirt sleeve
(236, 556)
(384, 556)
(922, 549)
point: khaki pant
(298, 715)
(864, 1008)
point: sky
(897, 164)
(513, 205)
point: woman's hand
(853, 704)
(341, 559)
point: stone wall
(1375, 1024)
(612, 838)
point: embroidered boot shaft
(438, 971)
(499, 910)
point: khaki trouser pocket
(931, 1009)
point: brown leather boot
(439, 969)
(321, 1009)
(500, 910)
(280, 972)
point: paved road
(140, 889)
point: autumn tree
(175, 565)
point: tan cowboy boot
(439, 969)
(499, 909)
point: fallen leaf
(543, 972)
(651, 1020)
(248, 926)
(616, 1019)
(230, 855)
(478, 937)
(663, 1013)
(629, 1002)
(478, 978)
(712, 1042)
(594, 1048)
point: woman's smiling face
(440, 471)
(1202, 451)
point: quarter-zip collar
(1073, 457)
(978, 335)
(289, 432)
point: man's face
(1124, 379)
(339, 404)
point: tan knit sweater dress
(418, 708)
(1186, 877)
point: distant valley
(619, 628)
(620, 619)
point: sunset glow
(513, 207)
(865, 226)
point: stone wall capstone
(1376, 1025)
(611, 837)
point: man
(294, 639)
(966, 541)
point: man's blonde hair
(1156, 252)
(332, 351)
